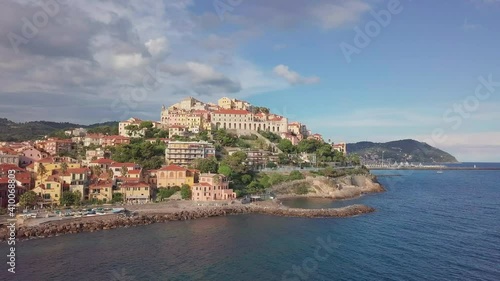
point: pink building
(212, 187)
(30, 155)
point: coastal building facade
(212, 187)
(183, 153)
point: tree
(186, 192)
(246, 179)
(225, 170)
(110, 173)
(64, 167)
(77, 197)
(117, 198)
(67, 198)
(124, 171)
(96, 170)
(207, 165)
(271, 165)
(42, 171)
(286, 146)
(28, 199)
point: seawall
(79, 225)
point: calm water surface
(427, 226)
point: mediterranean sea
(427, 226)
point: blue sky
(89, 64)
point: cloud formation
(293, 77)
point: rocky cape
(78, 225)
(345, 187)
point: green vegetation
(209, 165)
(69, 198)
(272, 137)
(28, 199)
(148, 155)
(164, 193)
(12, 131)
(301, 189)
(117, 198)
(186, 192)
(400, 151)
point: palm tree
(64, 167)
(124, 171)
(97, 170)
(110, 173)
(42, 171)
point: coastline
(161, 213)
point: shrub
(296, 175)
(301, 189)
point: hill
(400, 151)
(12, 131)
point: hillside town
(202, 151)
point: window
(48, 186)
(146, 188)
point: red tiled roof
(7, 150)
(7, 167)
(232, 111)
(172, 168)
(102, 161)
(118, 164)
(115, 137)
(134, 172)
(134, 184)
(79, 170)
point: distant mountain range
(12, 131)
(400, 151)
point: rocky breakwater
(79, 225)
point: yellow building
(50, 192)
(50, 164)
(174, 175)
(225, 103)
(136, 192)
(101, 191)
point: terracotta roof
(134, 184)
(31, 166)
(7, 150)
(232, 111)
(7, 167)
(134, 172)
(172, 168)
(102, 161)
(118, 164)
(79, 170)
(115, 137)
(100, 185)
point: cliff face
(336, 188)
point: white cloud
(336, 15)
(157, 47)
(293, 77)
(466, 26)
